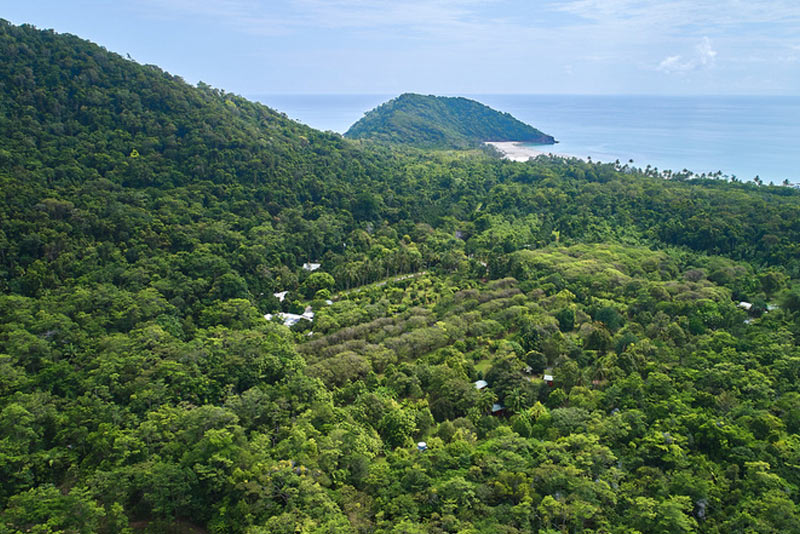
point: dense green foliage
(145, 225)
(441, 122)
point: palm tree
(603, 367)
(514, 401)
(486, 400)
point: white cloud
(281, 16)
(459, 26)
(672, 63)
(704, 56)
(247, 16)
(213, 8)
(381, 13)
(669, 14)
(597, 45)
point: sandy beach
(516, 151)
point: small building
(280, 296)
(480, 384)
(548, 379)
(290, 319)
(311, 266)
(498, 409)
(745, 305)
(422, 446)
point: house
(745, 305)
(291, 319)
(498, 409)
(422, 446)
(311, 266)
(548, 379)
(480, 384)
(280, 296)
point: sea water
(742, 136)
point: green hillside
(146, 226)
(441, 122)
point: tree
(46, 509)
(669, 515)
(397, 426)
(566, 319)
(317, 281)
(609, 317)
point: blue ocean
(742, 136)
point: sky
(669, 47)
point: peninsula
(439, 122)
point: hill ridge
(148, 228)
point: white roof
(745, 305)
(497, 407)
(310, 266)
(290, 319)
(480, 384)
(547, 378)
(280, 296)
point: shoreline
(519, 151)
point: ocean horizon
(742, 136)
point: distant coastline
(738, 135)
(520, 151)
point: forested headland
(637, 331)
(441, 122)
